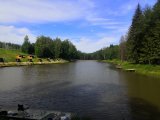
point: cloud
(99, 21)
(89, 45)
(39, 11)
(15, 35)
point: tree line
(111, 52)
(9, 46)
(46, 47)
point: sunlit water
(87, 88)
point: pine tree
(151, 42)
(147, 46)
(135, 36)
(156, 33)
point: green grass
(10, 55)
(153, 70)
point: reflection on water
(88, 88)
(143, 87)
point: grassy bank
(153, 70)
(9, 57)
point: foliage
(143, 43)
(27, 47)
(45, 47)
(68, 50)
(111, 52)
(57, 47)
(135, 36)
(123, 49)
(9, 46)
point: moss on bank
(153, 70)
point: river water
(88, 88)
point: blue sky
(89, 24)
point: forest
(141, 44)
(46, 47)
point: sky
(89, 24)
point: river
(88, 88)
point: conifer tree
(146, 47)
(135, 35)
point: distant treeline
(141, 45)
(46, 47)
(111, 52)
(9, 46)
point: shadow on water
(81, 99)
(143, 110)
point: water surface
(88, 88)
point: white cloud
(15, 35)
(89, 45)
(43, 10)
(98, 21)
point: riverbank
(12, 64)
(152, 70)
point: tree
(43, 47)
(72, 51)
(31, 49)
(151, 41)
(122, 48)
(147, 45)
(57, 47)
(26, 45)
(135, 36)
(65, 49)
(155, 34)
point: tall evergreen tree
(147, 46)
(135, 36)
(155, 35)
